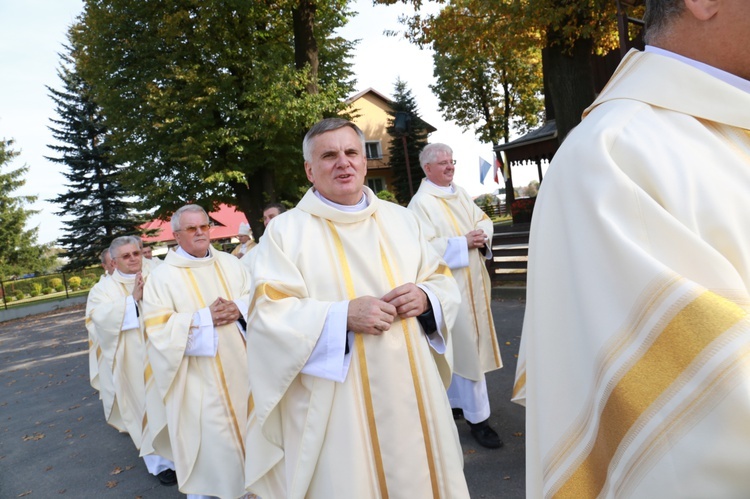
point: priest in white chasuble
(94, 350)
(462, 234)
(195, 306)
(635, 355)
(115, 319)
(348, 343)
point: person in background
(246, 241)
(113, 317)
(462, 233)
(195, 306)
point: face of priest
(269, 215)
(128, 259)
(109, 264)
(440, 171)
(147, 252)
(243, 238)
(194, 235)
(338, 166)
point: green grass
(56, 296)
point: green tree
(416, 139)
(566, 33)
(208, 101)
(19, 251)
(95, 203)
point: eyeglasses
(446, 162)
(192, 229)
(128, 256)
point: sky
(31, 36)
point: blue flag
(484, 167)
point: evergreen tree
(19, 252)
(94, 205)
(416, 140)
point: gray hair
(659, 16)
(328, 125)
(430, 153)
(122, 241)
(103, 256)
(175, 221)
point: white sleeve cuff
(457, 253)
(328, 359)
(436, 340)
(130, 321)
(203, 341)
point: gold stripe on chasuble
(157, 320)
(519, 385)
(362, 359)
(144, 422)
(228, 401)
(694, 328)
(147, 373)
(250, 405)
(91, 344)
(87, 321)
(190, 276)
(467, 271)
(444, 270)
(98, 353)
(415, 380)
(269, 292)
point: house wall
(370, 115)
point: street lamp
(401, 124)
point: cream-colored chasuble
(387, 430)
(635, 355)
(130, 396)
(445, 215)
(205, 397)
(95, 352)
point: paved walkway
(54, 441)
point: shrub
(47, 291)
(55, 282)
(19, 294)
(87, 283)
(11, 298)
(74, 282)
(34, 292)
(387, 196)
(60, 288)
(36, 286)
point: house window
(373, 149)
(376, 184)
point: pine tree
(95, 205)
(19, 251)
(416, 140)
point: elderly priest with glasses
(195, 307)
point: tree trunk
(569, 81)
(250, 198)
(305, 45)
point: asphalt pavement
(54, 441)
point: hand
(369, 315)
(138, 288)
(409, 300)
(476, 239)
(224, 312)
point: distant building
(370, 112)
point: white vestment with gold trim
(444, 216)
(635, 356)
(205, 397)
(129, 387)
(387, 429)
(94, 350)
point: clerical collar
(722, 75)
(361, 205)
(187, 255)
(126, 276)
(448, 190)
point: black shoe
(484, 435)
(458, 413)
(167, 477)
